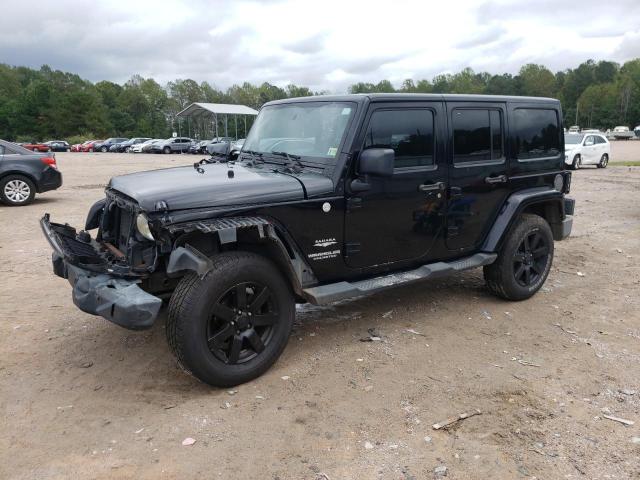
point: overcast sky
(323, 44)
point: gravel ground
(82, 398)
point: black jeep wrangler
(330, 198)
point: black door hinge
(354, 203)
(351, 248)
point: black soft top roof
(408, 97)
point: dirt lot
(82, 398)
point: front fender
(94, 216)
(275, 241)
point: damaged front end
(107, 272)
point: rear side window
(477, 135)
(537, 134)
(408, 132)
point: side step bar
(333, 292)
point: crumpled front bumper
(116, 299)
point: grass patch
(628, 163)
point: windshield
(307, 129)
(573, 139)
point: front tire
(232, 325)
(104, 149)
(166, 150)
(577, 162)
(17, 191)
(604, 161)
(524, 261)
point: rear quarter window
(536, 133)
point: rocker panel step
(333, 292)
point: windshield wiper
(256, 155)
(293, 161)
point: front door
(589, 150)
(478, 182)
(401, 217)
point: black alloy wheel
(530, 259)
(232, 324)
(241, 323)
(524, 260)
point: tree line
(44, 104)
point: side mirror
(377, 162)
(219, 149)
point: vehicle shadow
(129, 364)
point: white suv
(586, 149)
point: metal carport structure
(210, 119)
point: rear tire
(604, 161)
(17, 191)
(524, 261)
(232, 325)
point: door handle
(432, 187)
(498, 179)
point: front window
(573, 139)
(307, 129)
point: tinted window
(537, 134)
(600, 140)
(408, 132)
(1, 150)
(477, 135)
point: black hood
(184, 188)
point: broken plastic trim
(188, 258)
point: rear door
(401, 218)
(478, 182)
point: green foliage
(46, 104)
(597, 95)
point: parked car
(145, 147)
(574, 129)
(89, 145)
(201, 147)
(105, 145)
(622, 133)
(36, 146)
(126, 146)
(330, 198)
(58, 146)
(637, 131)
(76, 147)
(172, 145)
(237, 144)
(24, 173)
(586, 149)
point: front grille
(119, 227)
(125, 227)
